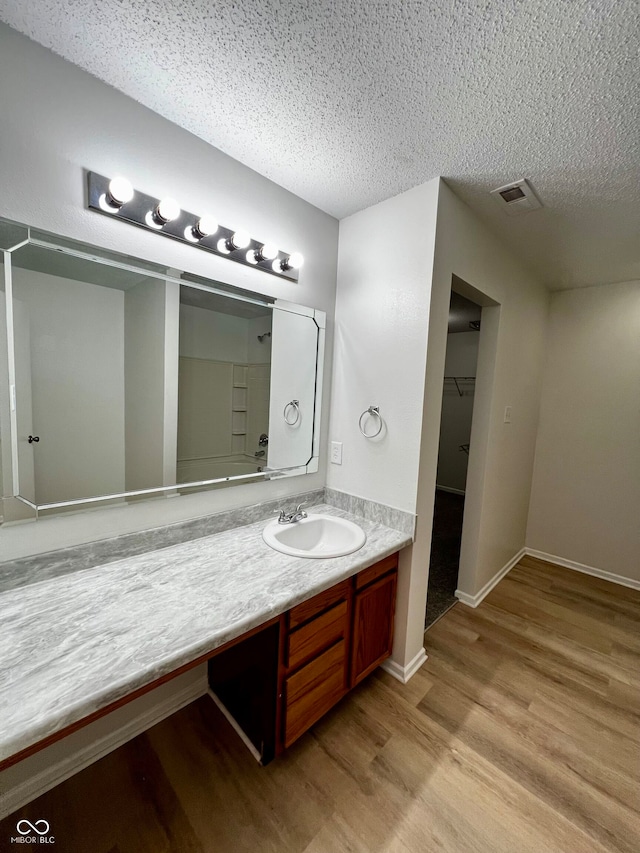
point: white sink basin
(316, 536)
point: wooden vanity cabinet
(315, 674)
(373, 610)
(278, 683)
(334, 640)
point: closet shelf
(462, 383)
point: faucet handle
(299, 507)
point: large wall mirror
(123, 380)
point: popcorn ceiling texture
(348, 103)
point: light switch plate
(507, 414)
(336, 452)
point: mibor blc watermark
(33, 833)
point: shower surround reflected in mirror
(223, 386)
(132, 381)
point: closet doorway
(453, 453)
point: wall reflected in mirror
(5, 425)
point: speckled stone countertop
(71, 645)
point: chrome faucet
(291, 517)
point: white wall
(585, 501)
(5, 450)
(212, 335)
(509, 373)
(385, 266)
(147, 460)
(259, 351)
(457, 410)
(170, 377)
(77, 353)
(59, 121)
(382, 311)
(394, 285)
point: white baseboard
(40, 782)
(450, 489)
(474, 600)
(586, 570)
(404, 673)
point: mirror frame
(109, 258)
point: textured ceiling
(348, 103)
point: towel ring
(295, 404)
(374, 411)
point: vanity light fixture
(292, 262)
(238, 240)
(166, 210)
(205, 226)
(267, 252)
(119, 192)
(117, 198)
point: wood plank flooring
(520, 733)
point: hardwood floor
(520, 733)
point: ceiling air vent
(516, 198)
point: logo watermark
(33, 833)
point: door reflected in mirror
(132, 382)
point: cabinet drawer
(321, 632)
(376, 571)
(313, 690)
(308, 609)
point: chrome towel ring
(374, 411)
(295, 405)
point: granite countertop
(71, 645)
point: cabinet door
(372, 626)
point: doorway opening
(458, 394)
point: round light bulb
(240, 239)
(294, 261)
(167, 210)
(276, 266)
(268, 252)
(120, 191)
(205, 226)
(252, 256)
